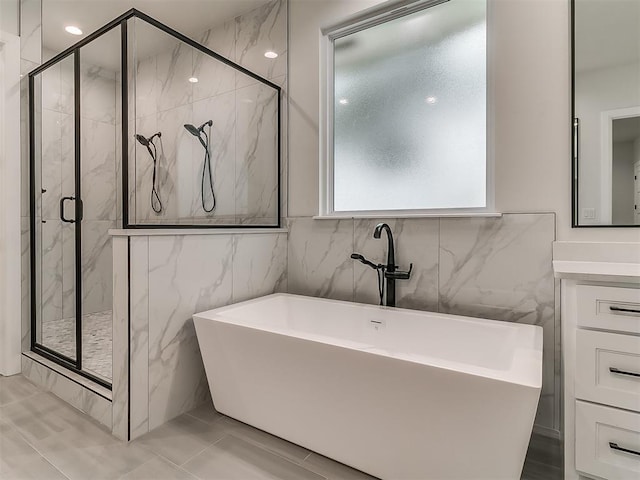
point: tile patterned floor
(44, 438)
(60, 335)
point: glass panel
(100, 68)
(410, 112)
(224, 169)
(55, 239)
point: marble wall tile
(319, 262)
(25, 288)
(222, 110)
(214, 77)
(184, 278)
(98, 94)
(147, 87)
(51, 164)
(258, 31)
(500, 268)
(173, 70)
(259, 265)
(175, 167)
(98, 170)
(25, 67)
(97, 286)
(51, 271)
(139, 346)
(256, 152)
(120, 388)
(68, 270)
(416, 242)
(31, 30)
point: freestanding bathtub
(398, 394)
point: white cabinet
(601, 375)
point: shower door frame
(121, 21)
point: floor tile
(16, 388)
(19, 460)
(333, 470)
(182, 438)
(158, 469)
(267, 441)
(235, 459)
(206, 412)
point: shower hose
(206, 172)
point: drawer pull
(622, 372)
(614, 446)
(621, 309)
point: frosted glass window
(409, 119)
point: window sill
(349, 216)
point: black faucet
(387, 272)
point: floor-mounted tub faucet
(387, 274)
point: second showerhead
(146, 141)
(196, 131)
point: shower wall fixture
(96, 164)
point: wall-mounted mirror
(606, 113)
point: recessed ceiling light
(270, 54)
(343, 101)
(73, 30)
(431, 100)
(193, 80)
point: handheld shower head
(192, 130)
(143, 141)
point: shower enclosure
(136, 126)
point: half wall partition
(136, 126)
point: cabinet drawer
(610, 308)
(608, 368)
(607, 441)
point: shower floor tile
(60, 335)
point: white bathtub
(399, 394)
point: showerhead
(192, 130)
(146, 141)
(143, 141)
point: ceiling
(607, 33)
(190, 17)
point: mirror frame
(575, 135)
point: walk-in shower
(108, 149)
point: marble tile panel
(97, 285)
(221, 110)
(416, 241)
(25, 67)
(173, 70)
(67, 155)
(147, 86)
(498, 268)
(256, 152)
(139, 344)
(51, 263)
(31, 30)
(98, 94)
(175, 168)
(25, 284)
(259, 265)
(184, 278)
(120, 388)
(51, 163)
(319, 262)
(258, 31)
(214, 77)
(68, 270)
(98, 170)
(233, 458)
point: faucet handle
(398, 275)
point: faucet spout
(391, 263)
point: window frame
(368, 18)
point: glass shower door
(54, 228)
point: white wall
(9, 17)
(529, 74)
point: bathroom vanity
(601, 347)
